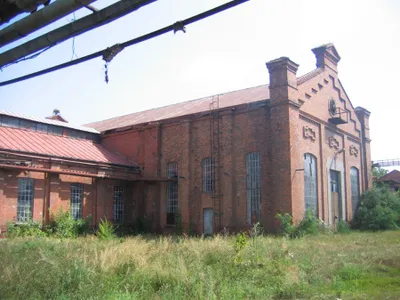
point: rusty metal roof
(197, 106)
(25, 141)
(244, 96)
(49, 121)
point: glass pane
(355, 188)
(253, 185)
(208, 175)
(76, 197)
(310, 183)
(172, 192)
(25, 199)
(118, 204)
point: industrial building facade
(225, 161)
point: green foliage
(62, 225)
(240, 242)
(309, 225)
(178, 223)
(378, 172)
(379, 210)
(286, 224)
(141, 225)
(30, 228)
(146, 267)
(343, 227)
(106, 230)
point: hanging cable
(132, 42)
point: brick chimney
(327, 57)
(282, 80)
(363, 116)
(283, 147)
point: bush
(379, 210)
(309, 225)
(30, 228)
(63, 225)
(106, 230)
(286, 224)
(342, 227)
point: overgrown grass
(326, 266)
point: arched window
(172, 193)
(355, 188)
(208, 174)
(310, 183)
(253, 185)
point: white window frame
(25, 200)
(208, 172)
(310, 183)
(76, 200)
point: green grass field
(326, 266)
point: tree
(378, 172)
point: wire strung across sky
(174, 27)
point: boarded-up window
(76, 197)
(310, 183)
(25, 200)
(118, 204)
(208, 174)
(253, 185)
(172, 192)
(355, 188)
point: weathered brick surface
(294, 121)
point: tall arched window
(310, 183)
(253, 185)
(208, 174)
(172, 193)
(355, 188)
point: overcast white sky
(222, 53)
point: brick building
(223, 161)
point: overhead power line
(174, 27)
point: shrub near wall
(379, 209)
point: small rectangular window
(10, 122)
(25, 200)
(25, 124)
(118, 204)
(208, 175)
(55, 130)
(76, 198)
(172, 193)
(42, 127)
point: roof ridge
(48, 121)
(187, 101)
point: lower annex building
(224, 161)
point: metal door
(335, 196)
(208, 221)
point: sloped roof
(244, 96)
(48, 121)
(391, 176)
(13, 139)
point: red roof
(26, 141)
(253, 94)
(391, 176)
(197, 106)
